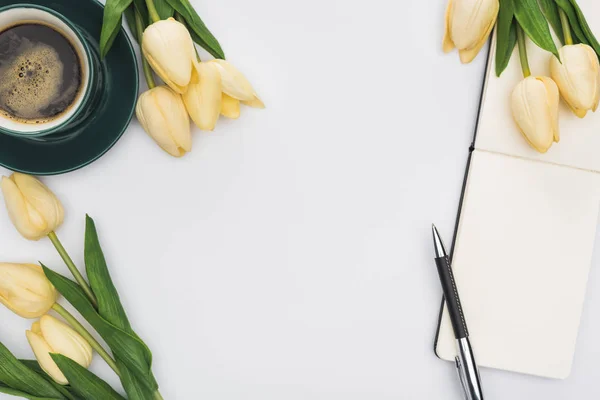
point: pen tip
(440, 250)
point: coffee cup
(47, 72)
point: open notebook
(526, 230)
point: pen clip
(460, 369)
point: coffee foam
(31, 83)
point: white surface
(521, 263)
(289, 256)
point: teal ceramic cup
(29, 13)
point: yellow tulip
(32, 207)
(203, 99)
(577, 75)
(49, 335)
(162, 114)
(468, 26)
(25, 290)
(236, 85)
(168, 47)
(230, 107)
(535, 110)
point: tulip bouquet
(574, 68)
(166, 31)
(63, 348)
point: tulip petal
(553, 103)
(35, 327)
(42, 351)
(533, 110)
(203, 100)
(28, 221)
(470, 19)
(156, 67)
(230, 107)
(43, 200)
(25, 290)
(448, 44)
(577, 76)
(469, 24)
(256, 102)
(166, 45)
(596, 76)
(162, 114)
(234, 82)
(64, 340)
(468, 55)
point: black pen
(465, 361)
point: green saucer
(108, 116)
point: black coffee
(40, 73)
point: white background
(289, 256)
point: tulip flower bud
(535, 110)
(468, 26)
(49, 335)
(32, 207)
(577, 75)
(162, 114)
(203, 99)
(168, 47)
(25, 290)
(230, 107)
(236, 85)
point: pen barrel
(455, 310)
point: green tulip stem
(86, 335)
(523, 52)
(73, 268)
(154, 17)
(139, 28)
(157, 396)
(566, 27)
(180, 18)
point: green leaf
(111, 23)
(16, 375)
(14, 392)
(201, 35)
(134, 388)
(164, 9)
(128, 348)
(64, 390)
(140, 5)
(130, 18)
(534, 24)
(589, 35)
(506, 36)
(567, 7)
(83, 382)
(109, 303)
(550, 11)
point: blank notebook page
(525, 238)
(521, 262)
